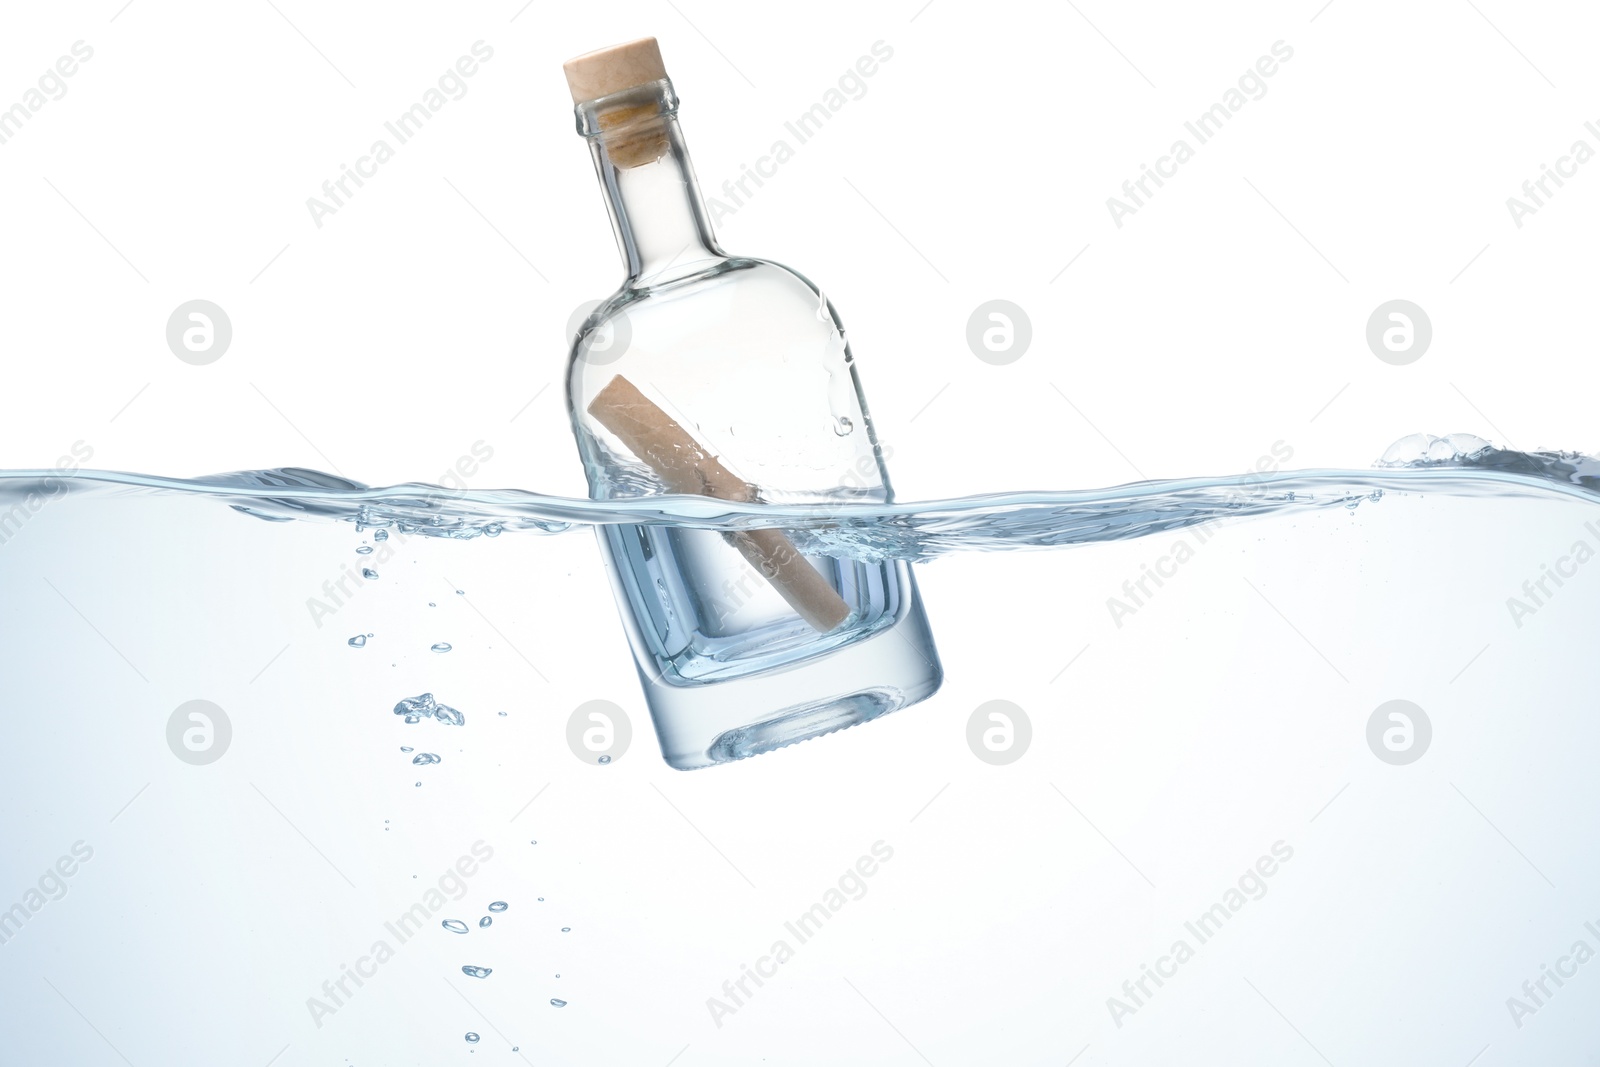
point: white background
(1226, 316)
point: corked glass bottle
(727, 376)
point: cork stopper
(632, 132)
(615, 69)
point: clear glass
(749, 357)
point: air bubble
(424, 706)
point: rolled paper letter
(685, 467)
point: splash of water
(1456, 465)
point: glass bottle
(727, 376)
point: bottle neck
(657, 213)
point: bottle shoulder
(749, 276)
(748, 358)
(749, 308)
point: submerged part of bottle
(727, 377)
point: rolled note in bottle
(685, 467)
(712, 374)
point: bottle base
(802, 724)
(892, 668)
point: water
(1458, 465)
(245, 884)
(707, 615)
(704, 614)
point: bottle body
(748, 359)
